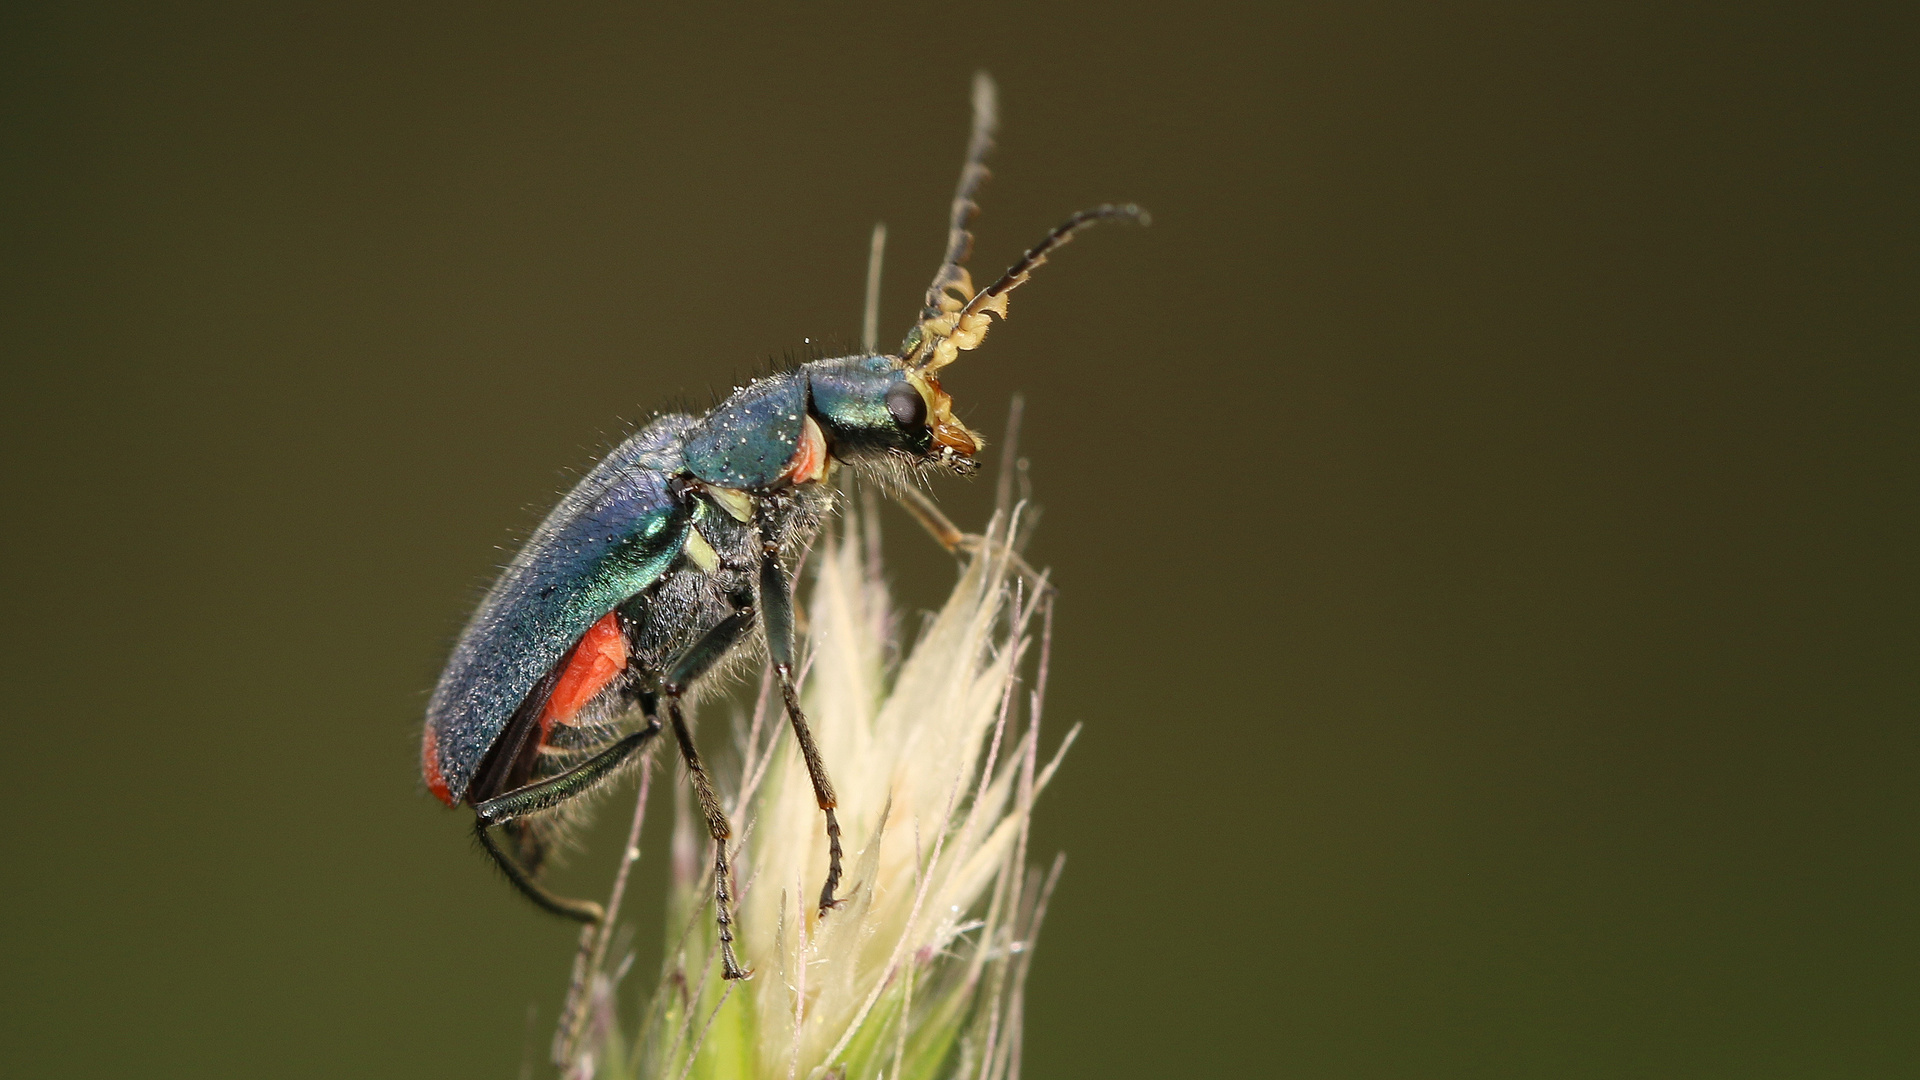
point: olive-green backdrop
(1483, 503)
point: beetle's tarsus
(827, 902)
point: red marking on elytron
(810, 457)
(430, 767)
(596, 661)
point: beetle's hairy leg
(542, 796)
(776, 620)
(822, 785)
(585, 911)
(704, 653)
(949, 536)
(952, 287)
(720, 830)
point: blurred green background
(1484, 503)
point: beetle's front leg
(776, 620)
(948, 535)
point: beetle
(673, 556)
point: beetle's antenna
(993, 297)
(966, 324)
(986, 121)
(870, 322)
(952, 274)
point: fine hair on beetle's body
(671, 561)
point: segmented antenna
(955, 317)
(994, 297)
(952, 276)
(870, 318)
(942, 339)
(986, 121)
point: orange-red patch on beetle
(430, 767)
(810, 457)
(599, 658)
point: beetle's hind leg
(530, 841)
(520, 802)
(776, 614)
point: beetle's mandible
(674, 553)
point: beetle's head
(879, 408)
(893, 405)
(899, 404)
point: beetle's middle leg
(776, 619)
(693, 663)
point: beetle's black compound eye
(909, 409)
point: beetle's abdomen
(598, 660)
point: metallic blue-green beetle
(673, 553)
